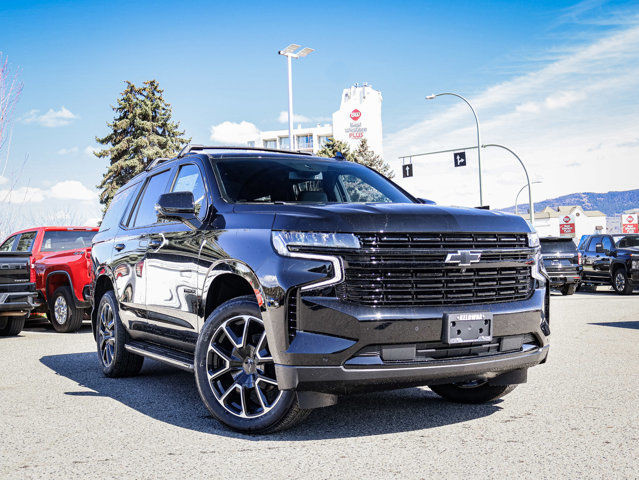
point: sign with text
(567, 226)
(630, 223)
(460, 159)
(407, 170)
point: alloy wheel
(106, 334)
(620, 281)
(60, 310)
(240, 368)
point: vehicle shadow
(631, 324)
(171, 396)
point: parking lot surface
(577, 416)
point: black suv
(283, 280)
(562, 262)
(611, 260)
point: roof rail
(155, 162)
(195, 147)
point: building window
(304, 141)
(322, 140)
(284, 143)
(250, 144)
(270, 144)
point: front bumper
(333, 350)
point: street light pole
(289, 53)
(518, 193)
(431, 97)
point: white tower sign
(360, 116)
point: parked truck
(59, 266)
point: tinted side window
(592, 246)
(189, 179)
(155, 186)
(25, 244)
(607, 243)
(114, 214)
(7, 246)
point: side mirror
(599, 248)
(178, 206)
(426, 201)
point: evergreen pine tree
(141, 131)
(364, 155)
(332, 147)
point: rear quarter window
(25, 243)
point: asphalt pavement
(577, 417)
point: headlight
(533, 240)
(285, 242)
(635, 264)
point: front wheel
(472, 392)
(621, 282)
(235, 372)
(12, 326)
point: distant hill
(610, 203)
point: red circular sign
(630, 219)
(355, 114)
(566, 219)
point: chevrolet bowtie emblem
(463, 257)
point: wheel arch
(56, 279)
(103, 284)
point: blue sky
(217, 62)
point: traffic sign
(407, 170)
(460, 159)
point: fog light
(635, 264)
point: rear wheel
(235, 372)
(13, 326)
(63, 314)
(621, 282)
(115, 359)
(472, 392)
(568, 289)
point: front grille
(410, 270)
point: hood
(628, 250)
(393, 217)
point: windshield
(301, 180)
(557, 246)
(59, 240)
(627, 241)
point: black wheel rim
(620, 281)
(106, 334)
(240, 368)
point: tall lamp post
(432, 97)
(519, 192)
(290, 53)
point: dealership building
(569, 221)
(359, 116)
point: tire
(568, 289)
(63, 314)
(13, 326)
(470, 393)
(620, 282)
(235, 373)
(111, 337)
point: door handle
(119, 246)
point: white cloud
(232, 133)
(67, 151)
(283, 118)
(65, 190)
(91, 150)
(71, 190)
(567, 120)
(3, 180)
(52, 118)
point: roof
(54, 228)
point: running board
(172, 357)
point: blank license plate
(468, 327)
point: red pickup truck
(60, 267)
